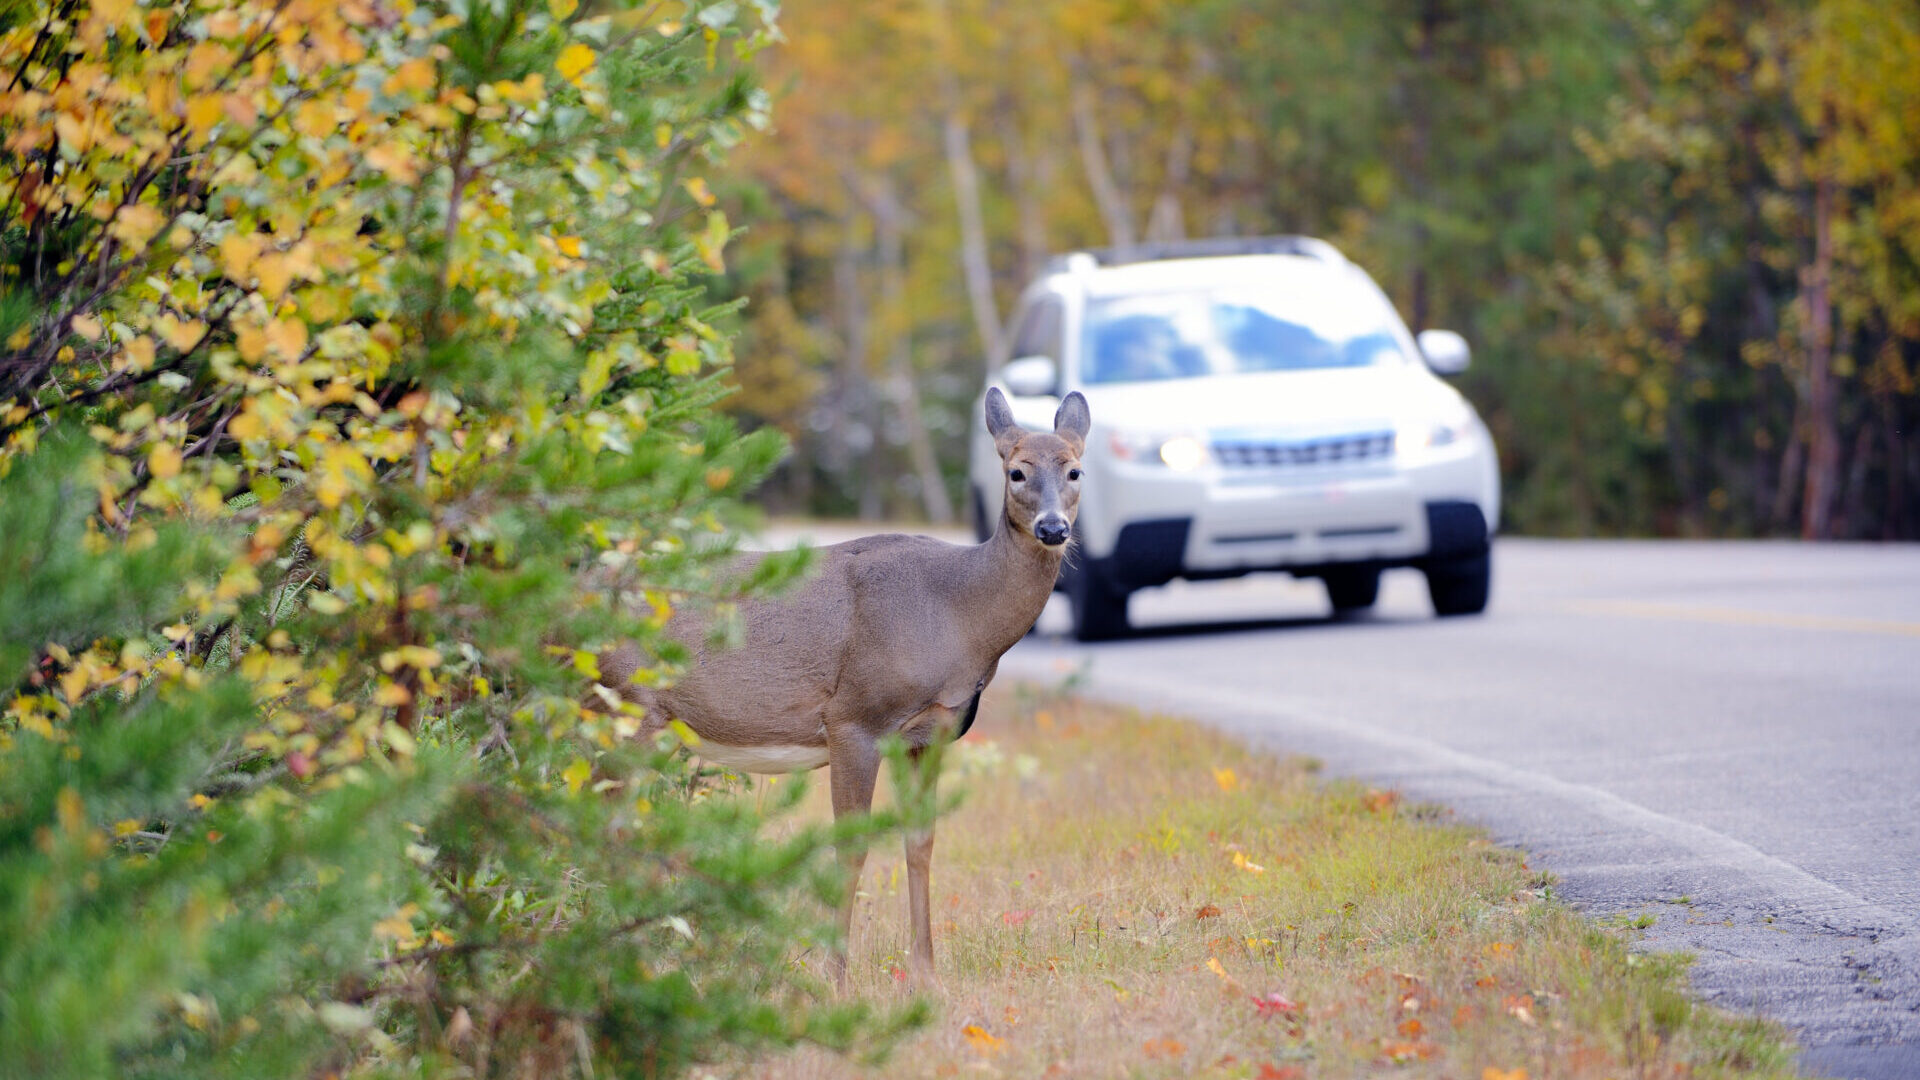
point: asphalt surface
(1723, 736)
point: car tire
(1460, 586)
(1352, 588)
(1099, 606)
(982, 528)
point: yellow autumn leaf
(202, 113)
(85, 325)
(1240, 860)
(568, 245)
(125, 827)
(411, 77)
(181, 335)
(576, 775)
(139, 354)
(1226, 778)
(574, 62)
(561, 9)
(164, 461)
(136, 224)
(395, 160)
(391, 695)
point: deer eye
(1016, 476)
(1073, 474)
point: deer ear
(1000, 423)
(1073, 420)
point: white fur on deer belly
(763, 759)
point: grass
(1126, 895)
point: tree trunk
(1093, 156)
(849, 455)
(973, 233)
(903, 390)
(1823, 436)
(1027, 177)
(1167, 222)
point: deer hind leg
(854, 762)
(919, 844)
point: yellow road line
(1745, 617)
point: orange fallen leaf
(1163, 1048)
(1378, 800)
(1015, 918)
(1520, 1007)
(1281, 1072)
(1411, 1029)
(1491, 1073)
(1208, 912)
(1400, 1053)
(1226, 778)
(983, 1041)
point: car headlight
(1181, 453)
(1414, 437)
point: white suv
(1257, 405)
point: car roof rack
(1091, 258)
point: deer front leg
(919, 865)
(855, 763)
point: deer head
(1042, 468)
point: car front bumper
(1223, 522)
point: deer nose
(1052, 530)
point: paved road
(1738, 724)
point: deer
(894, 636)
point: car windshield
(1234, 330)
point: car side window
(1039, 333)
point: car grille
(1305, 453)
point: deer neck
(1007, 581)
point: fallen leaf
(1015, 918)
(983, 1041)
(1400, 1053)
(1226, 779)
(1208, 912)
(1491, 1073)
(1240, 860)
(1519, 1006)
(1411, 1029)
(1378, 801)
(1163, 1048)
(1281, 1072)
(1276, 1004)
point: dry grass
(1117, 890)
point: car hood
(1299, 402)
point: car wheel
(982, 528)
(1352, 588)
(1099, 606)
(1460, 586)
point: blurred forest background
(1683, 236)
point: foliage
(384, 327)
(1616, 204)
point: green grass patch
(1131, 895)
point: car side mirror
(1446, 351)
(1031, 376)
